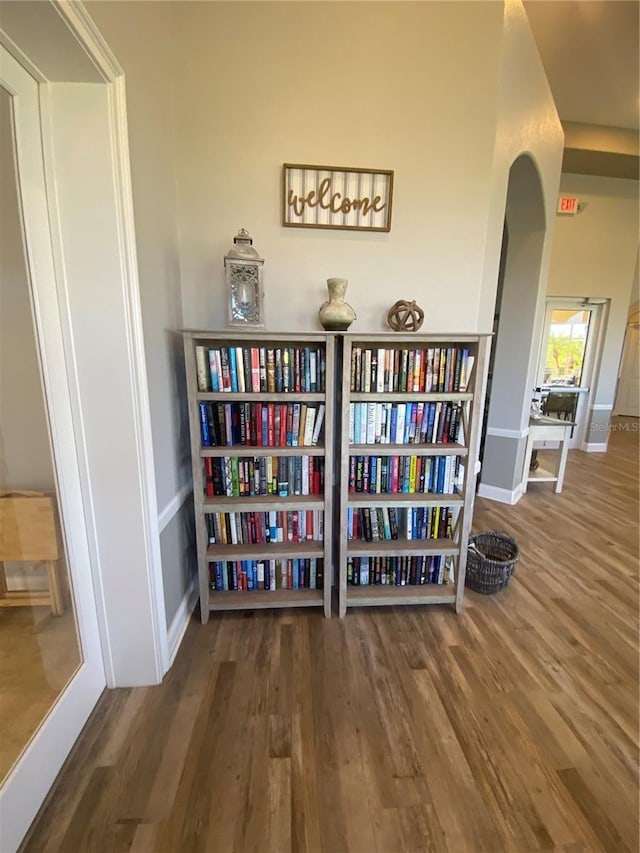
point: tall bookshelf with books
(409, 442)
(261, 412)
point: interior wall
(141, 36)
(25, 455)
(595, 254)
(374, 85)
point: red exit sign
(567, 204)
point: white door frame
(88, 36)
(31, 778)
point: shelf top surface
(418, 337)
(233, 333)
(257, 335)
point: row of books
(378, 524)
(261, 424)
(254, 476)
(400, 571)
(404, 423)
(379, 475)
(261, 369)
(268, 575)
(432, 369)
(263, 528)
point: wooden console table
(28, 534)
(547, 429)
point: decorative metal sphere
(405, 316)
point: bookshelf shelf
(248, 450)
(253, 396)
(264, 599)
(261, 413)
(376, 596)
(358, 397)
(276, 551)
(409, 438)
(409, 449)
(400, 547)
(263, 503)
(398, 500)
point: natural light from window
(566, 347)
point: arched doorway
(519, 302)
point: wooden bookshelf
(431, 502)
(237, 555)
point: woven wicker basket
(491, 560)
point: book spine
(309, 425)
(214, 376)
(201, 368)
(318, 424)
(240, 373)
(204, 425)
(255, 370)
(225, 370)
(233, 369)
(295, 424)
(271, 370)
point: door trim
(30, 779)
(84, 29)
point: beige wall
(595, 254)
(403, 86)
(25, 455)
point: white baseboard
(595, 447)
(516, 434)
(503, 496)
(180, 621)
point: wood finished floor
(512, 727)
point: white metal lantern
(243, 276)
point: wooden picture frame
(346, 199)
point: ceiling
(589, 49)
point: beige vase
(336, 315)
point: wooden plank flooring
(511, 727)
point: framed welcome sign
(335, 197)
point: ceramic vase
(336, 315)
